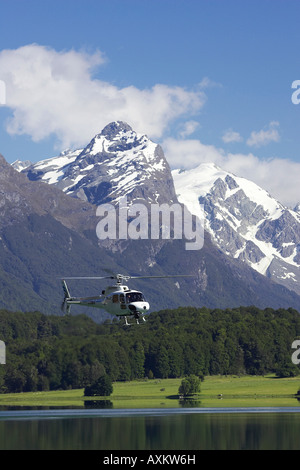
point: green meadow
(216, 391)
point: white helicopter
(117, 300)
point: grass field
(216, 391)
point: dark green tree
(189, 385)
(102, 387)
(14, 380)
(162, 369)
(138, 361)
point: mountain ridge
(245, 221)
(117, 161)
(220, 280)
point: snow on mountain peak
(117, 161)
(19, 165)
(202, 179)
(244, 221)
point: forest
(45, 352)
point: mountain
(116, 162)
(19, 165)
(51, 223)
(244, 221)
(44, 235)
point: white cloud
(280, 177)
(55, 93)
(231, 136)
(264, 136)
(188, 128)
(208, 83)
(190, 153)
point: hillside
(49, 352)
(49, 209)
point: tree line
(45, 352)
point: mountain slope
(119, 162)
(244, 221)
(44, 235)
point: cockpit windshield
(134, 297)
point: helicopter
(117, 299)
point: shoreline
(216, 392)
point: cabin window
(122, 298)
(134, 297)
(115, 298)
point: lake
(148, 429)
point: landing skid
(136, 319)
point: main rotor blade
(127, 277)
(90, 277)
(166, 276)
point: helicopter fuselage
(117, 300)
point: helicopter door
(122, 301)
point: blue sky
(208, 79)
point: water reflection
(185, 431)
(98, 404)
(189, 403)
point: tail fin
(65, 289)
(64, 306)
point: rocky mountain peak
(7, 169)
(297, 208)
(2, 159)
(245, 222)
(116, 162)
(115, 128)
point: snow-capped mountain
(19, 165)
(244, 221)
(117, 162)
(46, 234)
